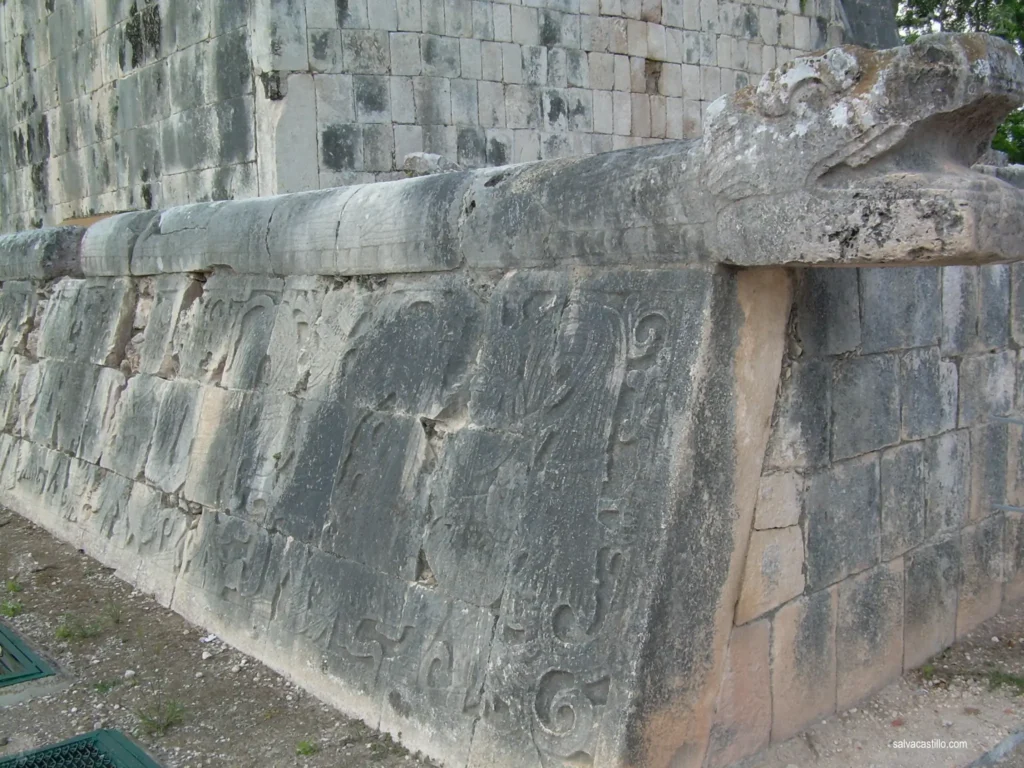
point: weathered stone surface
(990, 471)
(41, 255)
(803, 662)
(929, 622)
(901, 308)
(987, 387)
(903, 499)
(773, 572)
(88, 320)
(947, 481)
(929, 403)
(828, 311)
(831, 137)
(869, 632)
(743, 712)
(779, 500)
(435, 447)
(865, 405)
(842, 524)
(981, 576)
(800, 432)
(106, 248)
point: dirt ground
(125, 662)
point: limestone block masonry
(117, 105)
(579, 462)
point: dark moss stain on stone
(20, 156)
(25, 58)
(814, 637)
(142, 33)
(371, 94)
(550, 30)
(751, 22)
(233, 65)
(272, 86)
(147, 196)
(652, 75)
(471, 146)
(43, 136)
(496, 153)
(39, 181)
(556, 108)
(341, 9)
(339, 144)
(235, 131)
(220, 184)
(319, 42)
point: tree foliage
(1004, 18)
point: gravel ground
(127, 663)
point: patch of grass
(160, 718)
(13, 587)
(997, 678)
(73, 628)
(928, 671)
(113, 612)
(11, 608)
(307, 748)
(103, 687)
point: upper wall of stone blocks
(124, 105)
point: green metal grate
(17, 663)
(99, 749)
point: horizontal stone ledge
(835, 159)
(41, 254)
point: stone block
(405, 53)
(378, 148)
(901, 308)
(928, 388)
(483, 20)
(215, 452)
(947, 462)
(491, 103)
(174, 429)
(403, 102)
(960, 310)
(382, 14)
(865, 405)
(366, 51)
(525, 25)
(408, 138)
(89, 320)
(779, 500)
(929, 621)
(491, 62)
(990, 471)
(131, 432)
(994, 282)
(442, 56)
(803, 663)
(409, 16)
(500, 146)
(41, 254)
(469, 57)
(800, 433)
(827, 300)
(743, 712)
(987, 386)
(1013, 562)
(869, 633)
(842, 521)
(502, 18)
(535, 65)
(981, 576)
(465, 106)
(902, 473)
(773, 573)
(433, 100)
(522, 106)
(372, 99)
(458, 18)
(1017, 305)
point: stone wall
(126, 105)
(881, 532)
